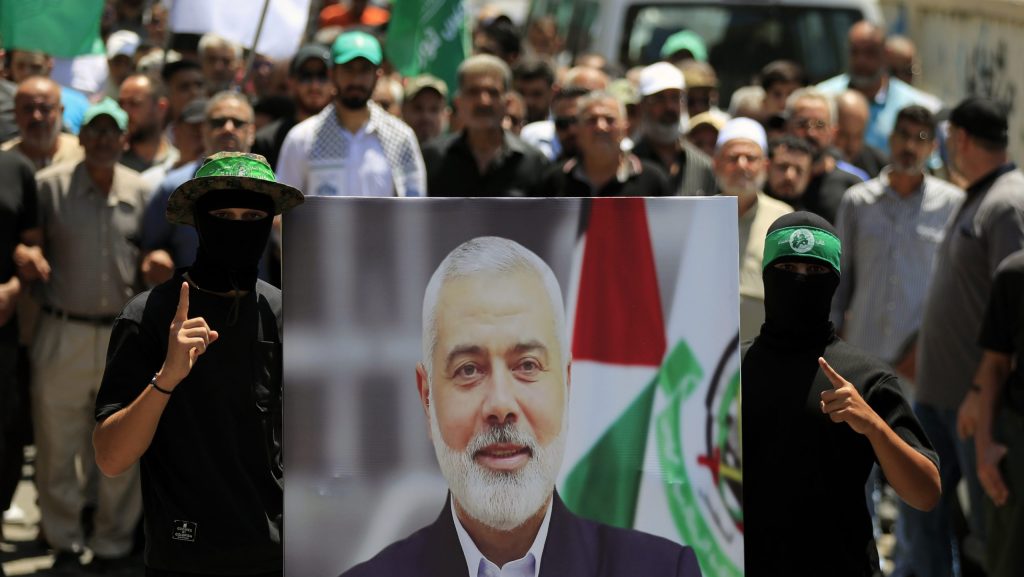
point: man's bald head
(37, 112)
(901, 58)
(852, 114)
(585, 77)
(867, 56)
(140, 96)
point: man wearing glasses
(85, 271)
(812, 116)
(311, 91)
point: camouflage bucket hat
(231, 171)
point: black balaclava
(797, 306)
(230, 250)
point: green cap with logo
(357, 44)
(107, 107)
(231, 171)
(805, 242)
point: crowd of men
(921, 192)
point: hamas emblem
(801, 240)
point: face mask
(230, 250)
(797, 304)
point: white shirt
(322, 158)
(479, 566)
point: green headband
(803, 241)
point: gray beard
(662, 133)
(500, 500)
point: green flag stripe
(605, 483)
(62, 28)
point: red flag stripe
(618, 308)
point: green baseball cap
(357, 44)
(110, 108)
(231, 171)
(685, 40)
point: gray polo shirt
(987, 229)
(889, 245)
(91, 239)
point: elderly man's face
(812, 120)
(220, 65)
(740, 167)
(602, 129)
(481, 101)
(37, 112)
(496, 396)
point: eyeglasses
(809, 124)
(565, 122)
(223, 121)
(309, 77)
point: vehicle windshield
(742, 39)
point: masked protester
(817, 414)
(200, 405)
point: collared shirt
(321, 158)
(452, 170)
(634, 177)
(753, 228)
(91, 239)
(68, 150)
(479, 566)
(988, 227)
(889, 246)
(887, 103)
(542, 136)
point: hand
(989, 454)
(188, 340)
(843, 404)
(157, 267)
(31, 263)
(967, 415)
(9, 299)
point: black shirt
(804, 511)
(1002, 329)
(270, 138)
(452, 170)
(18, 213)
(824, 193)
(694, 177)
(871, 160)
(635, 178)
(211, 478)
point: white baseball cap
(122, 43)
(660, 76)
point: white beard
(500, 500)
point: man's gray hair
(489, 255)
(485, 64)
(600, 96)
(812, 93)
(229, 95)
(210, 40)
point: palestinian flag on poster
(654, 425)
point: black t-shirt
(642, 179)
(804, 511)
(18, 213)
(1002, 330)
(452, 169)
(825, 192)
(270, 138)
(211, 478)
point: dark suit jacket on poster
(575, 547)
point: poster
(649, 297)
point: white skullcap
(122, 43)
(745, 128)
(660, 76)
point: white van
(741, 36)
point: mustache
(506, 434)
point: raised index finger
(833, 377)
(181, 315)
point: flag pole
(255, 42)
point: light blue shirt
(479, 566)
(894, 97)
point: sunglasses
(309, 77)
(223, 121)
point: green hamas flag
(61, 28)
(427, 36)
